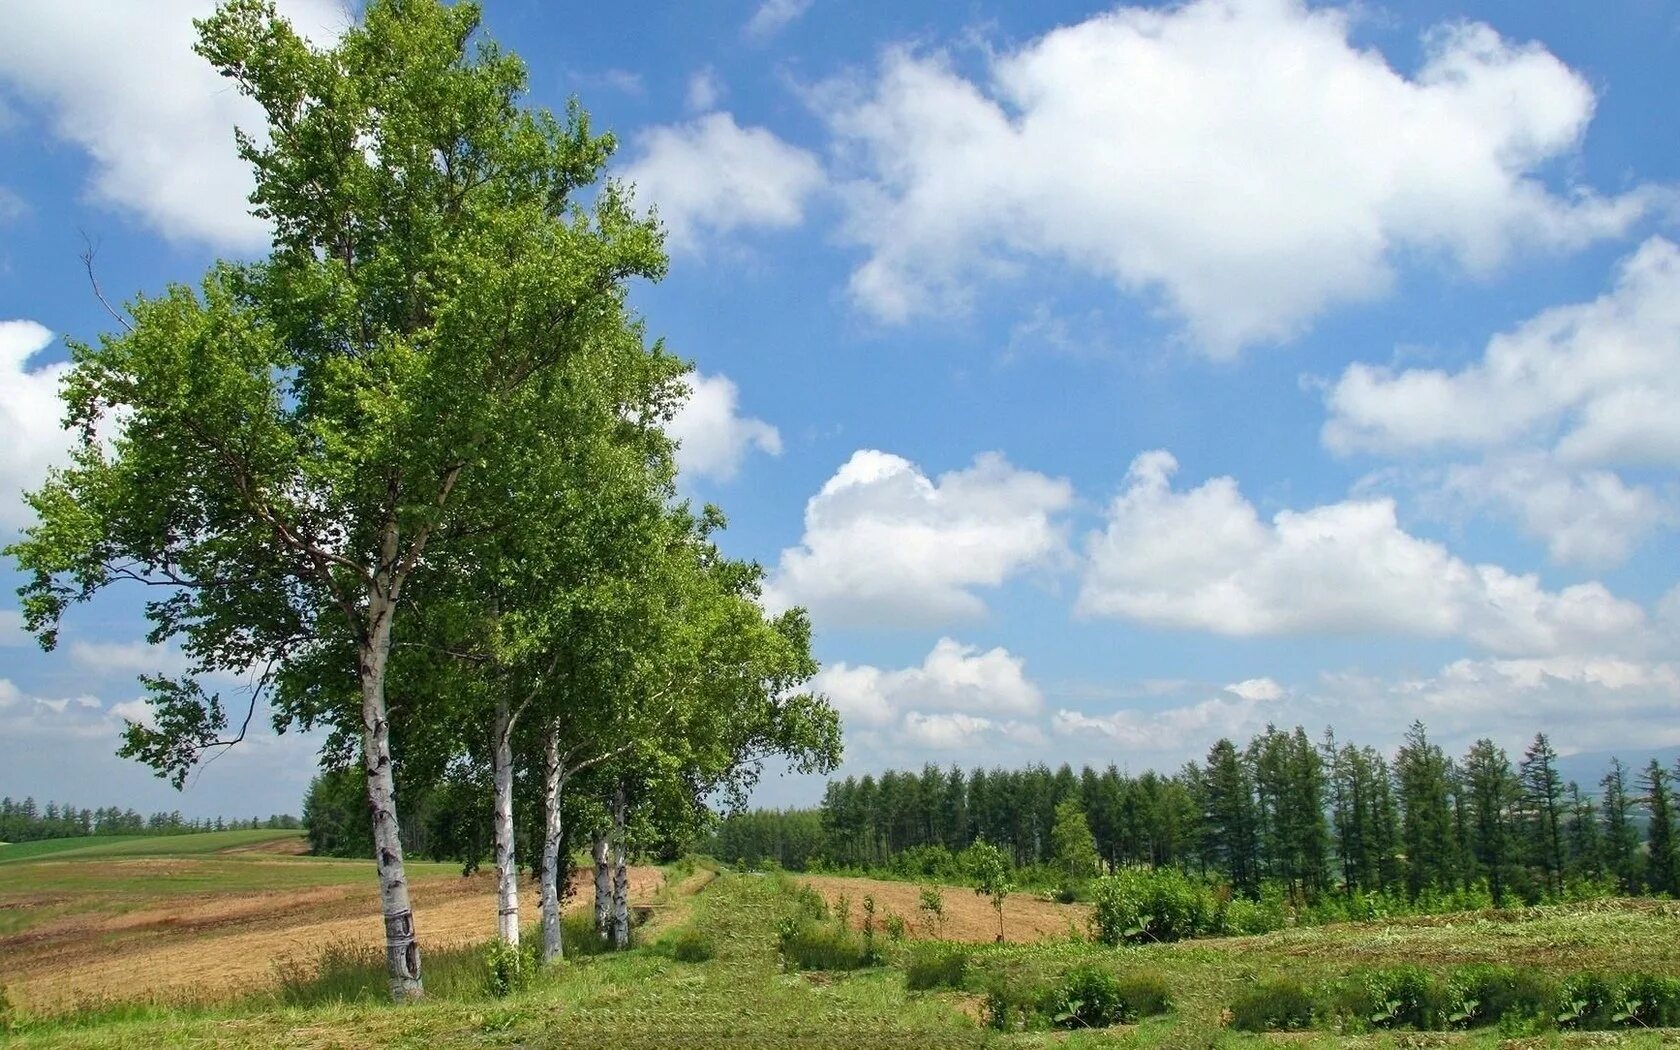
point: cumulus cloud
(1183, 732)
(30, 415)
(1241, 160)
(712, 177)
(1549, 407)
(1598, 379)
(127, 658)
(1203, 559)
(953, 678)
(122, 82)
(959, 697)
(886, 545)
(773, 16)
(713, 437)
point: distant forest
(1309, 817)
(28, 822)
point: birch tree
(301, 439)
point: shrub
(1014, 1005)
(807, 944)
(1092, 997)
(932, 904)
(1281, 1005)
(1496, 995)
(692, 946)
(1390, 997)
(505, 969)
(810, 904)
(1649, 1002)
(1138, 905)
(936, 966)
(894, 924)
(1244, 917)
(1587, 1001)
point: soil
(968, 915)
(224, 944)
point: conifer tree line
(409, 476)
(1311, 817)
(28, 821)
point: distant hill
(1589, 767)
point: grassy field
(151, 845)
(742, 996)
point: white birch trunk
(553, 947)
(600, 851)
(621, 877)
(507, 868)
(402, 950)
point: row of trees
(28, 821)
(1313, 817)
(410, 472)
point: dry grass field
(212, 925)
(968, 916)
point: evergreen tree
(1543, 802)
(1493, 793)
(1662, 867)
(1585, 843)
(1621, 837)
(1426, 823)
(1230, 824)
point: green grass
(184, 845)
(744, 996)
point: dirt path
(968, 916)
(227, 944)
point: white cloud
(1257, 689)
(712, 176)
(713, 436)
(773, 16)
(1585, 517)
(11, 205)
(885, 545)
(1180, 731)
(30, 414)
(705, 90)
(954, 677)
(1241, 159)
(1600, 379)
(947, 732)
(1203, 559)
(121, 81)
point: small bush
(936, 966)
(1587, 1001)
(810, 945)
(1088, 998)
(8, 1012)
(1390, 997)
(895, 926)
(1014, 1005)
(810, 904)
(1281, 1005)
(1481, 995)
(692, 946)
(505, 969)
(1140, 906)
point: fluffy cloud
(704, 90)
(960, 697)
(1585, 517)
(1549, 406)
(1203, 559)
(773, 16)
(1180, 732)
(713, 436)
(885, 545)
(1092, 146)
(1598, 379)
(712, 176)
(953, 678)
(122, 82)
(30, 414)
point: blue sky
(1104, 379)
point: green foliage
(506, 968)
(1587, 1001)
(1485, 995)
(1094, 997)
(581, 938)
(1390, 997)
(931, 903)
(993, 878)
(1073, 848)
(1141, 906)
(692, 945)
(8, 1012)
(1282, 1004)
(936, 965)
(808, 944)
